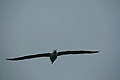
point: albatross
(53, 55)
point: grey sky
(31, 26)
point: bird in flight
(53, 55)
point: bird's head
(54, 50)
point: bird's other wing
(76, 52)
(30, 56)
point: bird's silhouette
(53, 55)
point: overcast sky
(32, 26)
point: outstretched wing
(30, 56)
(76, 52)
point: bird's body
(53, 55)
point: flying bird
(53, 55)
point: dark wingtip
(96, 51)
(7, 59)
(10, 59)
